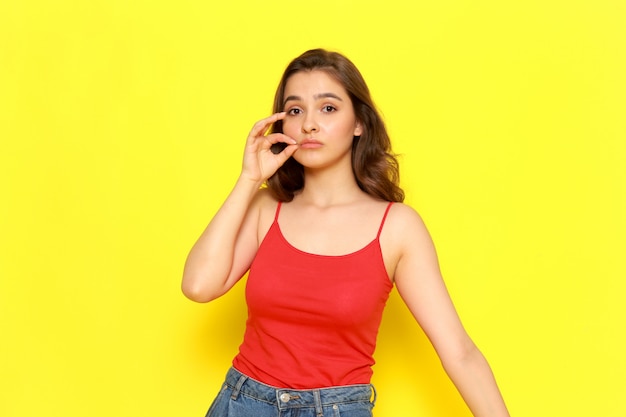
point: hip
(242, 396)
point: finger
(286, 153)
(277, 142)
(262, 125)
(280, 137)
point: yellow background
(121, 129)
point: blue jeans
(242, 396)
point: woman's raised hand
(259, 162)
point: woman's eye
(294, 112)
(328, 109)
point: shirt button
(285, 397)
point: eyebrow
(316, 97)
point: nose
(309, 124)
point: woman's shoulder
(403, 233)
(404, 212)
(264, 198)
(264, 205)
(404, 223)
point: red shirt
(312, 319)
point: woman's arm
(419, 282)
(225, 250)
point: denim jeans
(242, 396)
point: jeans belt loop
(318, 403)
(237, 388)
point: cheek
(290, 128)
(343, 128)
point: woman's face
(320, 117)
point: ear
(358, 129)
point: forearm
(224, 251)
(210, 261)
(474, 379)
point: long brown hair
(375, 167)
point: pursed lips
(310, 143)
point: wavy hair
(374, 166)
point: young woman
(316, 216)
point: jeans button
(285, 397)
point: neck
(330, 186)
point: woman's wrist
(248, 185)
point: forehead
(310, 83)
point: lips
(310, 144)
